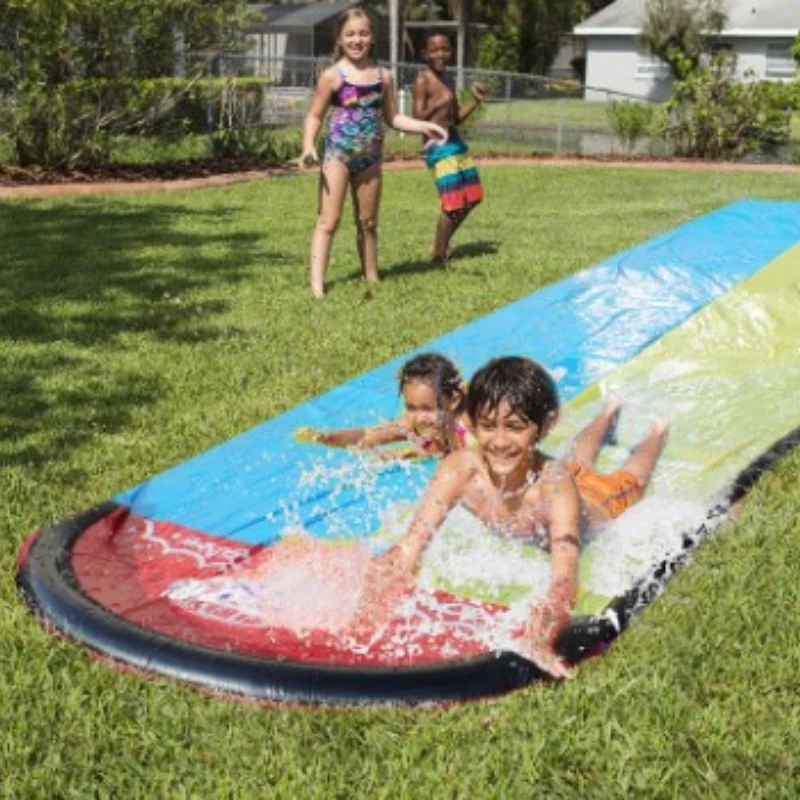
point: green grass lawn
(570, 112)
(137, 331)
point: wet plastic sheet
(255, 486)
(700, 325)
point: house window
(715, 53)
(780, 63)
(651, 67)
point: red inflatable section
(289, 602)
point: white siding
(620, 64)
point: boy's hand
(544, 624)
(387, 581)
(478, 91)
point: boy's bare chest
(441, 100)
(519, 515)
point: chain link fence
(521, 114)
(235, 105)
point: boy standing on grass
(518, 491)
(455, 175)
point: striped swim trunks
(455, 174)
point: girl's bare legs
(334, 177)
(366, 190)
(588, 442)
(644, 458)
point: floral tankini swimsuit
(355, 135)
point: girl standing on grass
(455, 175)
(362, 96)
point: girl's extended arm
(402, 122)
(364, 438)
(319, 105)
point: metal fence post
(210, 64)
(560, 128)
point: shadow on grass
(459, 253)
(81, 285)
(474, 250)
(405, 268)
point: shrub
(780, 94)
(630, 120)
(75, 124)
(713, 115)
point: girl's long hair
(352, 13)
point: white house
(758, 32)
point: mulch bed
(39, 182)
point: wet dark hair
(525, 385)
(343, 19)
(440, 373)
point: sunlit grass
(138, 331)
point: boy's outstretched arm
(478, 95)
(548, 618)
(393, 574)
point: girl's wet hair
(440, 373)
(356, 12)
(522, 383)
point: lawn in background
(137, 331)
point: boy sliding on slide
(519, 492)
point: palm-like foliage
(680, 31)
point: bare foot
(611, 412)
(613, 406)
(660, 428)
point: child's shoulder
(332, 75)
(553, 471)
(555, 479)
(465, 463)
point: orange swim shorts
(612, 493)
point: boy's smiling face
(437, 53)
(507, 441)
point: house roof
(295, 18)
(745, 18)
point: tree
(796, 49)
(679, 32)
(63, 62)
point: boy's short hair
(431, 33)
(525, 385)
